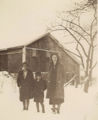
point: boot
(53, 109)
(58, 111)
(43, 108)
(58, 108)
(37, 106)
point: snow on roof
(25, 43)
(20, 44)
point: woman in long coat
(25, 84)
(55, 90)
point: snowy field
(78, 105)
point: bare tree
(84, 35)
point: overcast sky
(22, 20)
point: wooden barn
(37, 54)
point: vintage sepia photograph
(48, 60)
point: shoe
(26, 108)
(58, 111)
(53, 110)
(38, 111)
(43, 111)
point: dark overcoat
(39, 87)
(25, 85)
(56, 80)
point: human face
(54, 59)
(24, 67)
(38, 77)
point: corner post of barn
(24, 54)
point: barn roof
(21, 45)
(69, 53)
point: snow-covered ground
(78, 105)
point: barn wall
(14, 61)
(39, 62)
(3, 62)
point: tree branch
(92, 24)
(93, 37)
(84, 6)
(80, 57)
(93, 66)
(80, 35)
(72, 53)
(75, 39)
(77, 26)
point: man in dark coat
(39, 87)
(25, 83)
(55, 90)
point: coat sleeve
(44, 85)
(60, 75)
(63, 75)
(32, 77)
(48, 75)
(19, 79)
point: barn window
(34, 53)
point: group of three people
(31, 87)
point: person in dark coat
(25, 83)
(39, 87)
(55, 89)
